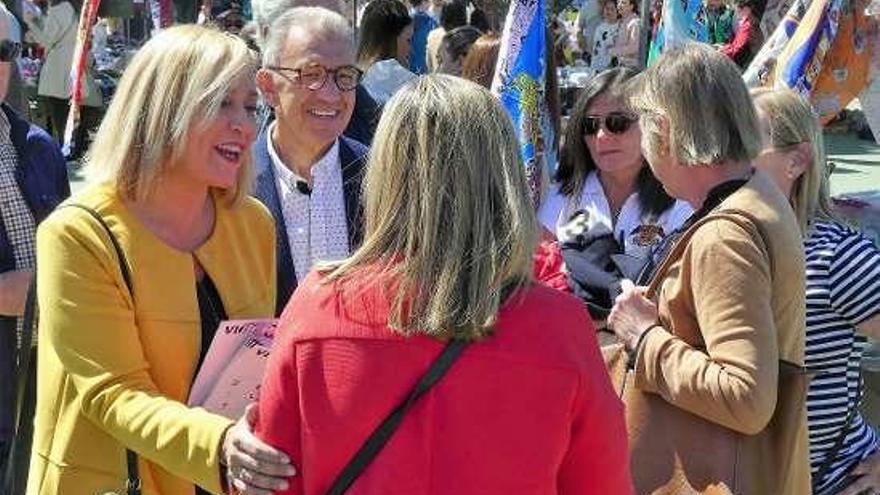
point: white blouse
(635, 230)
(384, 78)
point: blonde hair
(177, 80)
(791, 122)
(447, 210)
(701, 95)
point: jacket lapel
(352, 157)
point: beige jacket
(730, 308)
(56, 32)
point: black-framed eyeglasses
(614, 123)
(314, 77)
(9, 50)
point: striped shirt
(843, 290)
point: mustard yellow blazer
(114, 372)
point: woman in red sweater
(526, 409)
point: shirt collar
(5, 128)
(718, 194)
(328, 162)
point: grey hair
(701, 96)
(317, 21)
(266, 12)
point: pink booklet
(230, 376)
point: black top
(212, 313)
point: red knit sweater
(529, 410)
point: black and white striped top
(843, 290)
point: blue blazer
(42, 178)
(353, 157)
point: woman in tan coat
(714, 392)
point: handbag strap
(380, 436)
(133, 483)
(838, 442)
(740, 217)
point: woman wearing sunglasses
(606, 201)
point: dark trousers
(58, 109)
(15, 470)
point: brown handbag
(693, 455)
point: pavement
(856, 174)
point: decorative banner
(847, 64)
(820, 50)
(519, 82)
(680, 22)
(774, 13)
(78, 70)
(760, 71)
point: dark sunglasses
(615, 123)
(9, 50)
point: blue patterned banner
(519, 83)
(681, 22)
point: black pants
(18, 461)
(58, 109)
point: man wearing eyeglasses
(33, 180)
(308, 173)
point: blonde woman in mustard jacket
(169, 170)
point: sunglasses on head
(614, 123)
(9, 50)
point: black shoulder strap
(382, 434)
(831, 454)
(133, 484)
(123, 262)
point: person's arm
(88, 322)
(597, 461)
(740, 39)
(278, 421)
(733, 381)
(854, 272)
(14, 287)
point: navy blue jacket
(42, 178)
(352, 156)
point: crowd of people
(683, 313)
(607, 32)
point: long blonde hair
(792, 121)
(177, 80)
(447, 211)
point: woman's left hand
(632, 314)
(869, 483)
(253, 467)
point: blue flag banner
(520, 82)
(681, 21)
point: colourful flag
(78, 70)
(820, 50)
(519, 82)
(680, 23)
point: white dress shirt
(557, 209)
(316, 223)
